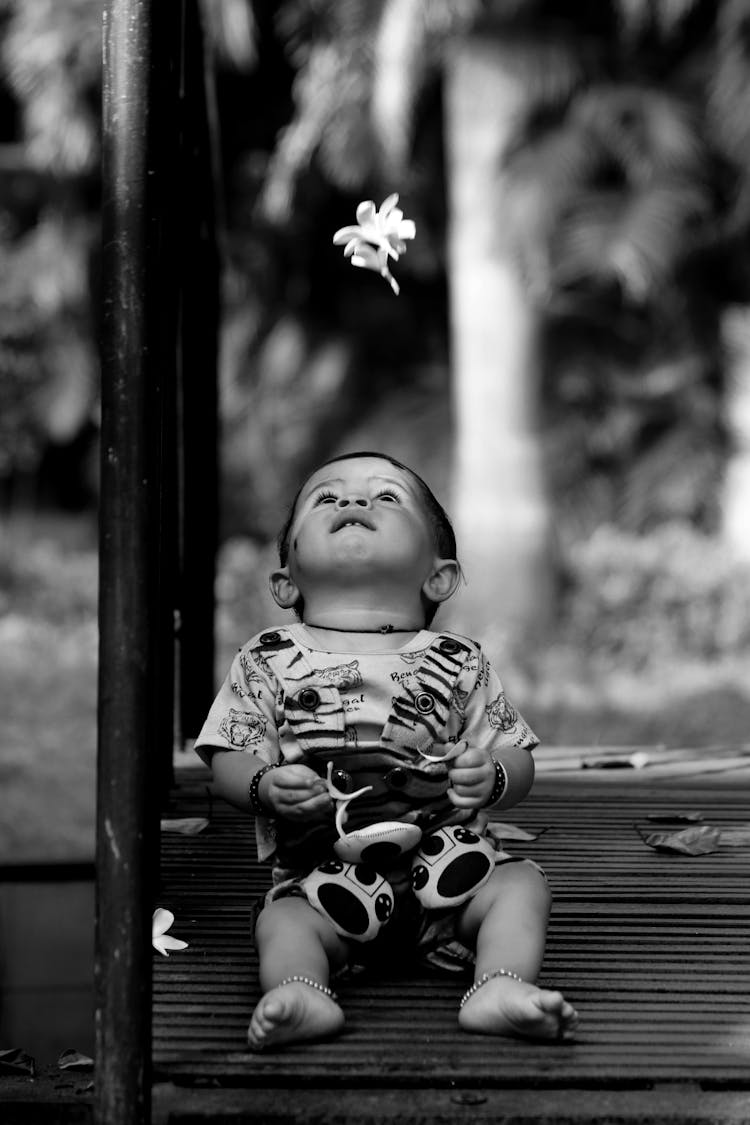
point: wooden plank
(678, 1104)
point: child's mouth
(349, 521)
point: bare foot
(293, 1012)
(504, 1006)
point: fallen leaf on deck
(15, 1061)
(634, 761)
(674, 818)
(186, 825)
(735, 837)
(512, 832)
(689, 841)
(74, 1060)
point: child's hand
(472, 776)
(295, 793)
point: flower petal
(345, 233)
(366, 212)
(161, 920)
(407, 229)
(367, 258)
(162, 944)
(391, 222)
(353, 245)
(388, 204)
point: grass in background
(653, 649)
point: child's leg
(295, 941)
(506, 922)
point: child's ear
(285, 592)
(443, 581)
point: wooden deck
(651, 947)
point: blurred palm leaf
(331, 45)
(542, 176)
(48, 265)
(634, 239)
(47, 359)
(674, 479)
(51, 59)
(318, 92)
(646, 131)
(613, 192)
(729, 101)
(637, 16)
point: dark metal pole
(199, 324)
(127, 814)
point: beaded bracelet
(308, 981)
(501, 780)
(257, 808)
(485, 977)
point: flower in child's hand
(161, 921)
(378, 236)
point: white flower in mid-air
(378, 236)
(160, 922)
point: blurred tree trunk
(735, 506)
(500, 501)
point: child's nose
(360, 501)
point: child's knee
(523, 877)
(282, 913)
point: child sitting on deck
(360, 707)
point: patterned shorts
(413, 934)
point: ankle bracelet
(487, 977)
(310, 982)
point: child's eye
(386, 494)
(324, 497)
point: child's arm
(474, 776)
(294, 792)
(240, 737)
(497, 768)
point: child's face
(360, 517)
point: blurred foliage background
(568, 361)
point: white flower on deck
(161, 921)
(378, 236)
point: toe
(551, 1002)
(568, 1022)
(272, 1011)
(268, 1015)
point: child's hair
(443, 534)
